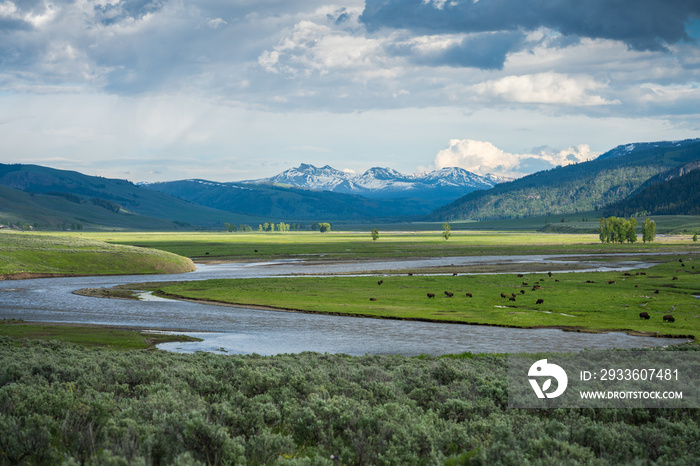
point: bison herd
(511, 297)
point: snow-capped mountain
(384, 182)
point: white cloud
(544, 88)
(483, 157)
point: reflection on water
(237, 330)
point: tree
(695, 237)
(375, 234)
(447, 231)
(230, 227)
(648, 230)
(324, 227)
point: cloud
(479, 50)
(544, 88)
(641, 24)
(482, 157)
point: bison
(431, 295)
(524, 283)
(520, 275)
(674, 278)
(550, 274)
(522, 291)
(611, 282)
(380, 282)
(454, 274)
(536, 287)
(449, 294)
(669, 318)
(540, 301)
(503, 295)
(656, 292)
(410, 274)
(644, 315)
(512, 298)
(372, 299)
(469, 295)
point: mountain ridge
(383, 181)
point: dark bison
(642, 273)
(611, 282)
(522, 291)
(503, 295)
(520, 275)
(674, 278)
(372, 299)
(380, 282)
(449, 294)
(656, 292)
(669, 318)
(431, 295)
(540, 301)
(536, 287)
(644, 315)
(524, 283)
(550, 274)
(511, 298)
(410, 274)
(469, 295)
(454, 274)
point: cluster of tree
(71, 226)
(619, 230)
(62, 404)
(105, 204)
(267, 226)
(67, 196)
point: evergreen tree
(375, 234)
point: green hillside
(576, 188)
(51, 198)
(291, 203)
(677, 196)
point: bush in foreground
(63, 403)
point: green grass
(39, 253)
(568, 300)
(359, 245)
(87, 336)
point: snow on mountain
(378, 180)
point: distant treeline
(281, 226)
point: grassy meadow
(78, 401)
(585, 301)
(86, 335)
(41, 253)
(359, 245)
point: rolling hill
(50, 197)
(290, 203)
(582, 187)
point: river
(236, 330)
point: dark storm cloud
(641, 24)
(484, 51)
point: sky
(228, 90)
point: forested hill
(676, 196)
(582, 187)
